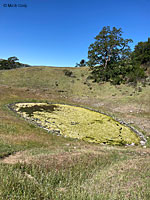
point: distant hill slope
(44, 77)
(55, 83)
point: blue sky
(59, 32)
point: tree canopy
(141, 52)
(110, 58)
(109, 47)
(81, 64)
(11, 63)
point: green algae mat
(77, 122)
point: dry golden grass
(64, 168)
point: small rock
(132, 144)
(139, 89)
(131, 122)
(56, 83)
(142, 142)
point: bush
(118, 73)
(137, 74)
(68, 73)
(11, 63)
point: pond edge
(137, 132)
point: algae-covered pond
(77, 122)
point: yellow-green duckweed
(77, 122)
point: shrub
(68, 72)
(118, 73)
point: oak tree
(109, 47)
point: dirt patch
(18, 157)
(57, 161)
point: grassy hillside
(38, 165)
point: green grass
(35, 164)
(51, 182)
(114, 175)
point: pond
(77, 122)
